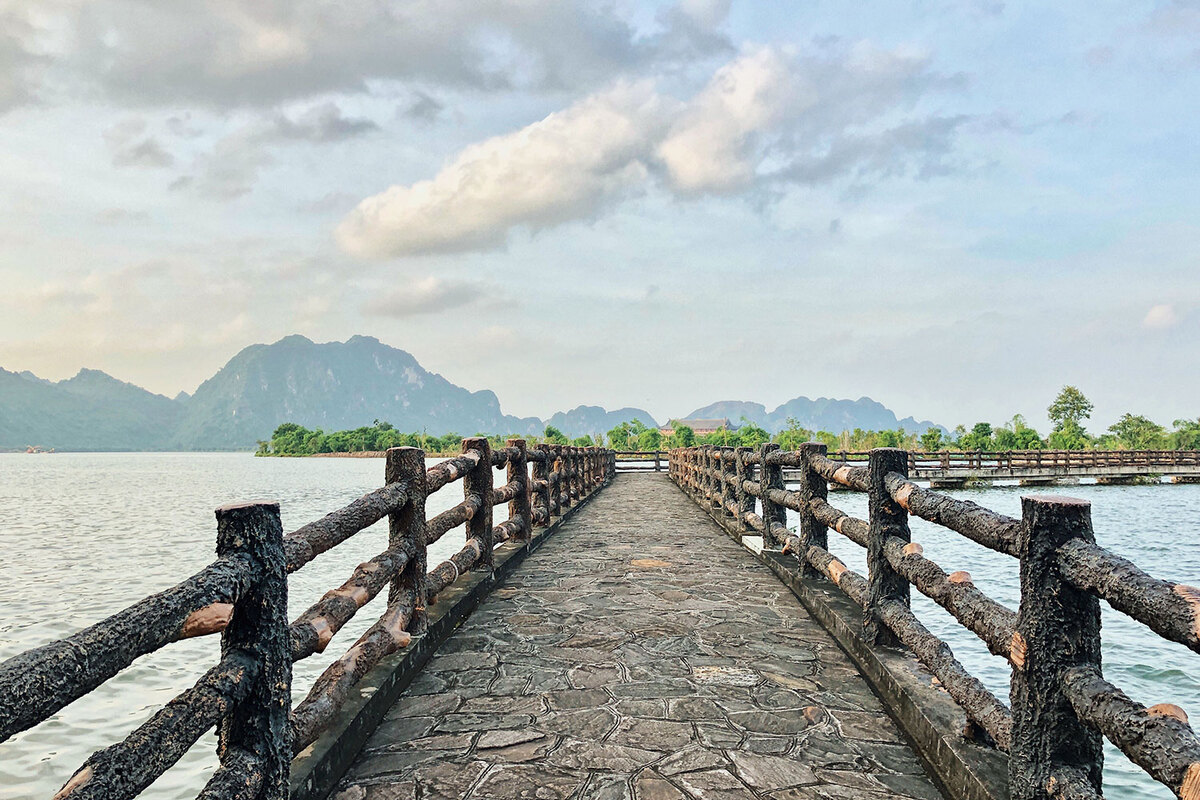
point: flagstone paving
(640, 654)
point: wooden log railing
(998, 462)
(1061, 705)
(243, 596)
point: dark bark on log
(478, 483)
(755, 521)
(753, 488)
(983, 526)
(451, 518)
(855, 478)
(887, 520)
(1163, 744)
(240, 777)
(125, 769)
(788, 458)
(745, 500)
(407, 530)
(772, 514)
(447, 572)
(331, 690)
(311, 632)
(1071, 784)
(505, 493)
(983, 616)
(813, 489)
(785, 498)
(851, 583)
(541, 483)
(306, 543)
(501, 455)
(450, 470)
(853, 528)
(1058, 627)
(980, 705)
(39, 682)
(259, 629)
(1171, 610)
(509, 529)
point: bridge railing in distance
(1049, 459)
(640, 460)
(243, 596)
(1061, 703)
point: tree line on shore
(1067, 414)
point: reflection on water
(84, 535)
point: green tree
(1186, 435)
(1070, 435)
(1069, 406)
(681, 435)
(649, 439)
(751, 435)
(931, 440)
(793, 435)
(582, 441)
(980, 437)
(618, 437)
(554, 436)
(1134, 432)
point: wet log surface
(618, 663)
(306, 543)
(981, 525)
(39, 682)
(127, 768)
(1171, 610)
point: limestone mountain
(333, 386)
(589, 420)
(91, 411)
(822, 414)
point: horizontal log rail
(1060, 703)
(243, 596)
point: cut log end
(78, 779)
(1016, 652)
(836, 570)
(903, 495)
(210, 619)
(960, 576)
(1168, 710)
(324, 633)
(1192, 596)
(913, 548)
(1190, 788)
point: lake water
(84, 535)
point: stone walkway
(640, 653)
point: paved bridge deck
(640, 653)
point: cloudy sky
(954, 207)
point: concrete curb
(928, 717)
(318, 768)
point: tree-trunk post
(770, 477)
(519, 506)
(727, 472)
(812, 487)
(887, 519)
(541, 482)
(576, 474)
(1058, 626)
(259, 628)
(556, 470)
(745, 500)
(478, 483)
(406, 527)
(714, 477)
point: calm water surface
(83, 535)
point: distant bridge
(950, 470)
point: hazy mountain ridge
(589, 420)
(333, 386)
(822, 414)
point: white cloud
(226, 54)
(567, 166)
(839, 113)
(1160, 317)
(711, 147)
(426, 296)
